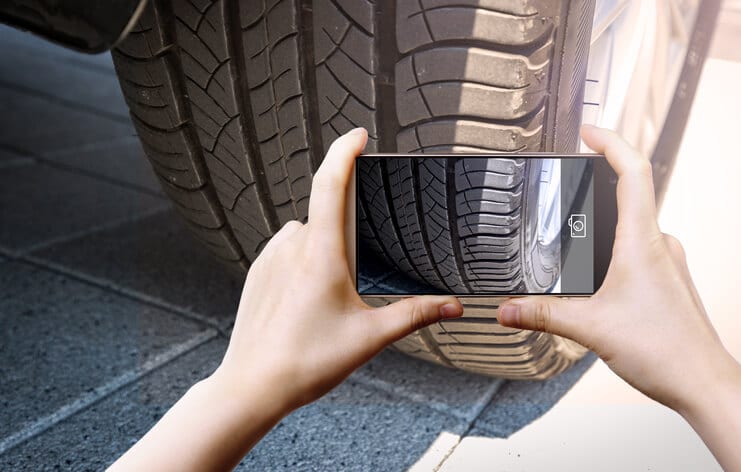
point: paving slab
(40, 125)
(119, 160)
(95, 437)
(40, 203)
(60, 338)
(65, 82)
(157, 256)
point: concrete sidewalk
(109, 310)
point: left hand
(301, 325)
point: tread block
(473, 82)
(171, 155)
(482, 66)
(194, 205)
(216, 241)
(488, 200)
(479, 325)
(147, 86)
(424, 22)
(447, 135)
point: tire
(236, 102)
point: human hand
(301, 325)
(647, 321)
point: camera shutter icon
(578, 225)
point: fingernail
(451, 310)
(357, 131)
(509, 315)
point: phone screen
(482, 224)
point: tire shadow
(520, 402)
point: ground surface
(109, 309)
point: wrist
(715, 389)
(247, 391)
(714, 413)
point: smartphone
(480, 225)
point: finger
(393, 322)
(635, 189)
(329, 186)
(288, 229)
(547, 314)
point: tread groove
(308, 77)
(241, 90)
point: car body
(89, 26)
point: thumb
(548, 314)
(393, 322)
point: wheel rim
(549, 202)
(636, 56)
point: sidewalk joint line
(424, 400)
(473, 413)
(21, 89)
(128, 293)
(93, 229)
(9, 254)
(99, 177)
(49, 162)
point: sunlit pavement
(602, 423)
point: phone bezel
(605, 217)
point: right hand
(647, 321)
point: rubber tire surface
(236, 102)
